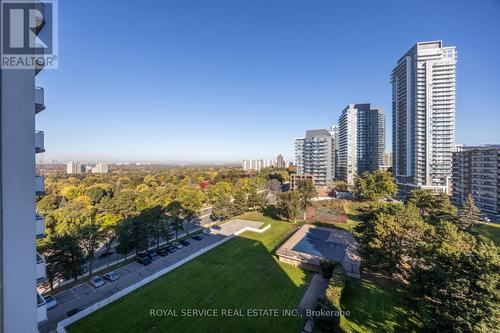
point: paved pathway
(316, 289)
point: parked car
(171, 249)
(216, 227)
(143, 258)
(207, 231)
(485, 219)
(105, 254)
(73, 312)
(50, 302)
(185, 242)
(197, 237)
(111, 276)
(177, 245)
(162, 251)
(152, 254)
(97, 281)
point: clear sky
(185, 80)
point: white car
(486, 219)
(111, 276)
(50, 302)
(207, 231)
(177, 245)
(97, 281)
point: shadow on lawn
(376, 308)
(240, 274)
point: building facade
(21, 307)
(476, 171)
(100, 168)
(361, 141)
(423, 105)
(315, 155)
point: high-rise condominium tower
(315, 155)
(21, 267)
(423, 105)
(361, 140)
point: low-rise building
(476, 171)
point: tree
(390, 237)
(219, 195)
(469, 215)
(125, 236)
(174, 218)
(47, 204)
(341, 186)
(433, 208)
(63, 258)
(375, 185)
(273, 186)
(191, 200)
(90, 235)
(456, 284)
(255, 200)
(307, 191)
(239, 204)
(109, 226)
(288, 205)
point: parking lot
(234, 226)
(84, 295)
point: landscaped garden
(239, 274)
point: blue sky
(185, 80)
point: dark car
(143, 258)
(152, 254)
(162, 251)
(105, 254)
(171, 249)
(73, 312)
(184, 242)
(197, 237)
(216, 227)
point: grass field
(489, 231)
(374, 308)
(239, 274)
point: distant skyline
(223, 81)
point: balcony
(40, 226)
(40, 268)
(39, 142)
(39, 185)
(41, 310)
(39, 99)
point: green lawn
(489, 231)
(375, 308)
(239, 274)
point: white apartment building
(76, 167)
(315, 155)
(100, 168)
(423, 105)
(361, 141)
(21, 307)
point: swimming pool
(314, 243)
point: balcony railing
(40, 268)
(39, 185)
(41, 310)
(39, 142)
(40, 226)
(39, 99)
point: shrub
(326, 267)
(327, 323)
(336, 286)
